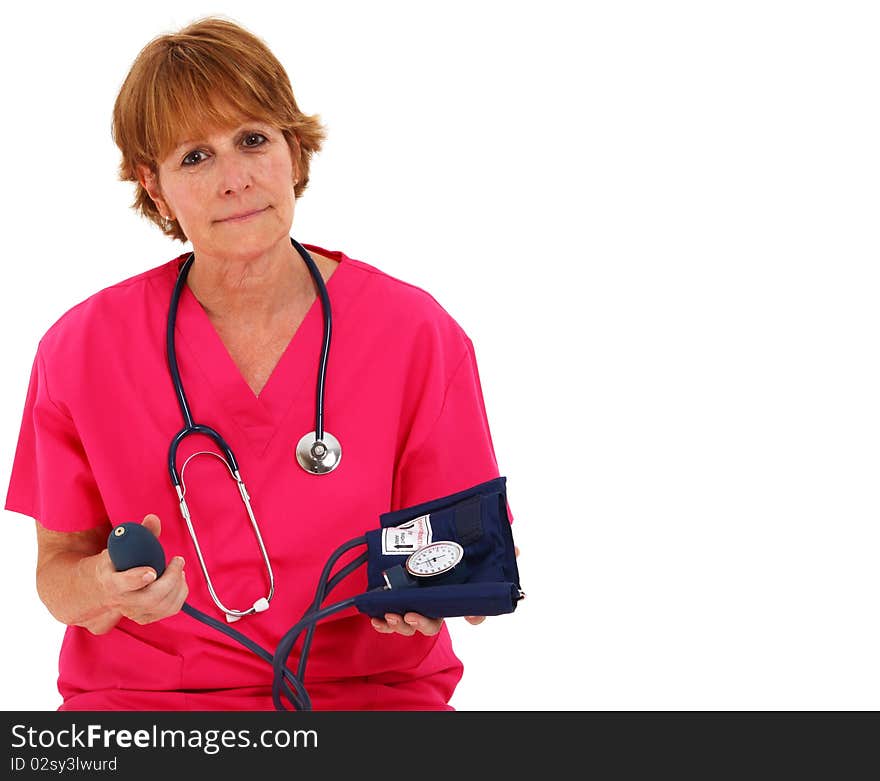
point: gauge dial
(434, 559)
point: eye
(250, 136)
(188, 161)
(250, 140)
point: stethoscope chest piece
(319, 456)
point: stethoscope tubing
(325, 344)
(191, 427)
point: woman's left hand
(407, 624)
(410, 623)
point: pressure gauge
(434, 559)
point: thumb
(153, 523)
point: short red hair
(207, 75)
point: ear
(150, 183)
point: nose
(234, 173)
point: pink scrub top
(402, 395)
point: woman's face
(245, 170)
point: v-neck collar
(204, 361)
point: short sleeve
(51, 480)
(457, 452)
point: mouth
(243, 216)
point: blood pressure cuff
(484, 583)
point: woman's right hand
(136, 593)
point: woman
(209, 129)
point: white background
(658, 224)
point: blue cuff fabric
(485, 583)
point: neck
(251, 291)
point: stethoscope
(318, 452)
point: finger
(160, 598)
(475, 620)
(121, 581)
(175, 598)
(427, 626)
(516, 551)
(169, 582)
(135, 578)
(175, 570)
(153, 523)
(176, 563)
(381, 626)
(397, 623)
